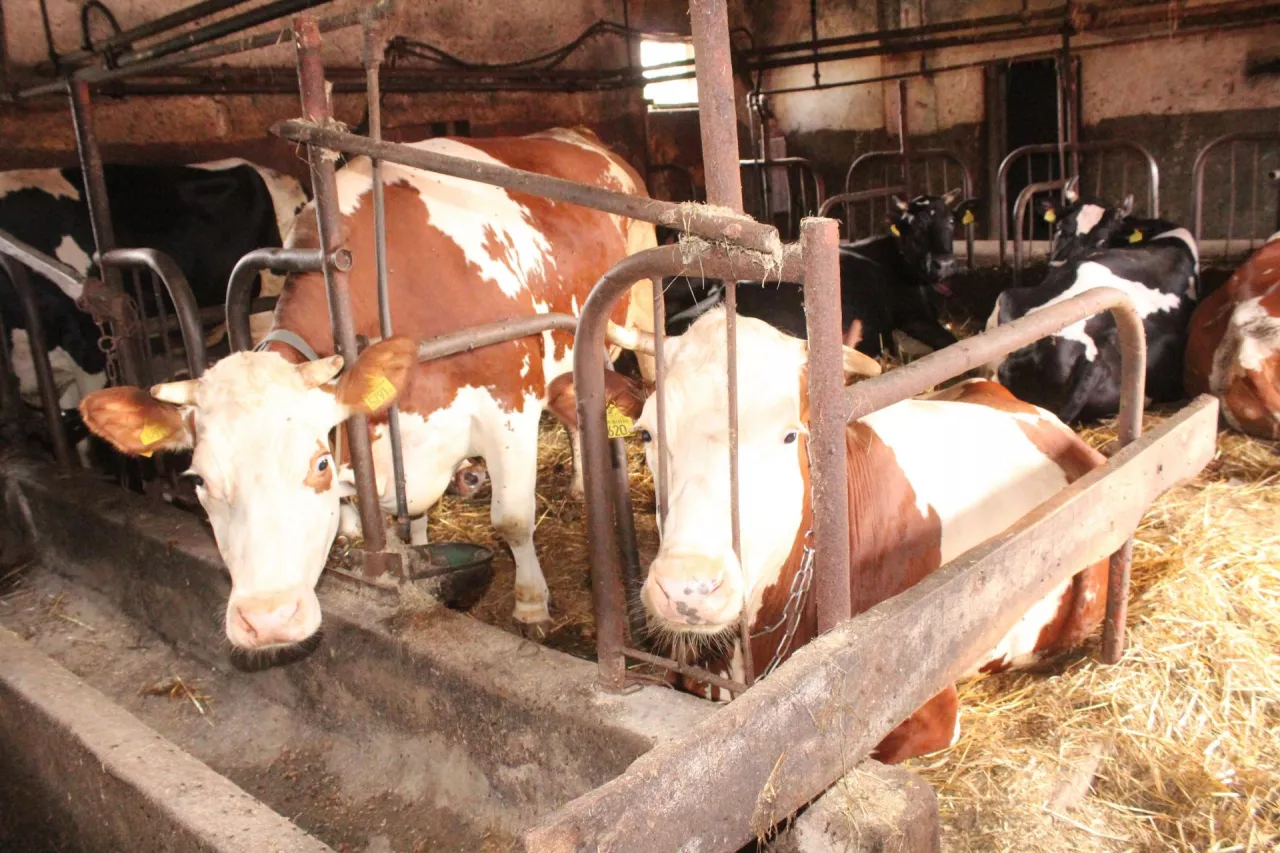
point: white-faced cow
(884, 282)
(205, 217)
(460, 254)
(1233, 345)
(915, 502)
(1076, 373)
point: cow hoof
(535, 632)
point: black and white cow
(884, 282)
(1076, 373)
(206, 217)
(1081, 227)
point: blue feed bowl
(458, 573)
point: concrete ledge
(77, 772)
(524, 726)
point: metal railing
(1261, 162)
(781, 191)
(906, 172)
(1055, 155)
(157, 270)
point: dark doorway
(1031, 117)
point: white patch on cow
(524, 366)
(50, 181)
(70, 253)
(574, 307)
(1018, 647)
(1185, 236)
(1091, 275)
(1274, 237)
(479, 218)
(1251, 339)
(71, 382)
(1088, 218)
(978, 491)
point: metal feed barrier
(1067, 156)
(1262, 188)
(782, 188)
(902, 172)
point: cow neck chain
(793, 609)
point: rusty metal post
(95, 189)
(40, 361)
(372, 64)
(719, 126)
(819, 241)
(316, 108)
(904, 135)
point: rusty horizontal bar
(734, 687)
(788, 738)
(184, 301)
(494, 333)
(243, 44)
(860, 195)
(699, 220)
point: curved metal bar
(67, 279)
(1202, 158)
(1075, 148)
(860, 195)
(731, 264)
(1020, 212)
(40, 360)
(240, 285)
(184, 301)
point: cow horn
(952, 197)
(632, 339)
(901, 205)
(1071, 190)
(859, 364)
(182, 393)
(318, 372)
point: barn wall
(189, 129)
(1173, 96)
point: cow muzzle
(693, 592)
(272, 620)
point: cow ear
(381, 374)
(1071, 190)
(858, 365)
(952, 196)
(1048, 210)
(966, 212)
(134, 422)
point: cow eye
(790, 438)
(322, 464)
(194, 479)
(645, 435)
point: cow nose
(943, 267)
(688, 589)
(269, 621)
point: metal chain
(794, 606)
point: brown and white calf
(1233, 345)
(459, 254)
(928, 480)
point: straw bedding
(1177, 748)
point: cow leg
(511, 453)
(935, 725)
(349, 520)
(576, 487)
(418, 530)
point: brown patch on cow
(562, 397)
(929, 729)
(1205, 332)
(134, 422)
(1253, 398)
(319, 481)
(435, 290)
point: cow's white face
(696, 584)
(259, 428)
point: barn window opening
(668, 93)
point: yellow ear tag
(620, 426)
(1050, 216)
(893, 229)
(380, 391)
(150, 434)
(967, 219)
(1135, 237)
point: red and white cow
(460, 254)
(929, 479)
(1233, 345)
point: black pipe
(151, 28)
(219, 29)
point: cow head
(1080, 227)
(696, 585)
(259, 430)
(924, 229)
